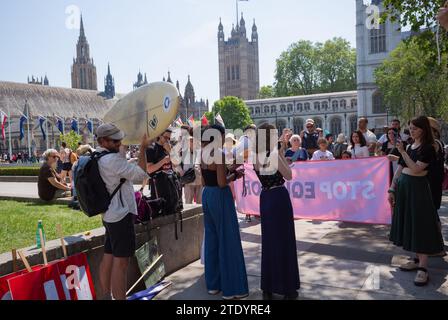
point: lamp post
(387, 115)
(413, 99)
(345, 123)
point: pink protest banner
(340, 190)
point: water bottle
(40, 226)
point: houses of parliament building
(82, 101)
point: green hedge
(19, 171)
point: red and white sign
(42, 284)
(76, 278)
(67, 279)
(5, 294)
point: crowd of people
(174, 164)
(19, 158)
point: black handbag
(188, 177)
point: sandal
(410, 265)
(422, 277)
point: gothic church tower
(83, 69)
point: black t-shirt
(45, 188)
(424, 154)
(394, 151)
(309, 140)
(155, 153)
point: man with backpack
(118, 220)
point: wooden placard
(42, 244)
(25, 261)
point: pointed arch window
(378, 103)
(378, 39)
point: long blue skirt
(279, 266)
(225, 269)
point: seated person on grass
(49, 183)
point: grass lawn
(18, 223)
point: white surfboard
(150, 109)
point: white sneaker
(237, 297)
(213, 292)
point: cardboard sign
(146, 255)
(76, 278)
(41, 284)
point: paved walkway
(337, 260)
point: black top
(393, 151)
(45, 189)
(271, 181)
(309, 140)
(436, 173)
(424, 154)
(210, 177)
(155, 153)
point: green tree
(309, 68)
(296, 72)
(416, 14)
(337, 66)
(71, 139)
(412, 82)
(233, 111)
(266, 92)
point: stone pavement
(337, 261)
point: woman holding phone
(414, 220)
(279, 266)
(389, 148)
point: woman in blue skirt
(279, 266)
(225, 269)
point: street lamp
(345, 123)
(387, 115)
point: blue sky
(155, 36)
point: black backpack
(90, 188)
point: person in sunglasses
(50, 185)
(310, 137)
(118, 220)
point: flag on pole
(178, 122)
(60, 124)
(23, 119)
(219, 120)
(75, 125)
(41, 125)
(191, 121)
(3, 119)
(90, 125)
(204, 120)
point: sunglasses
(114, 141)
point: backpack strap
(97, 156)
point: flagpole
(28, 126)
(236, 12)
(9, 134)
(46, 132)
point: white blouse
(359, 152)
